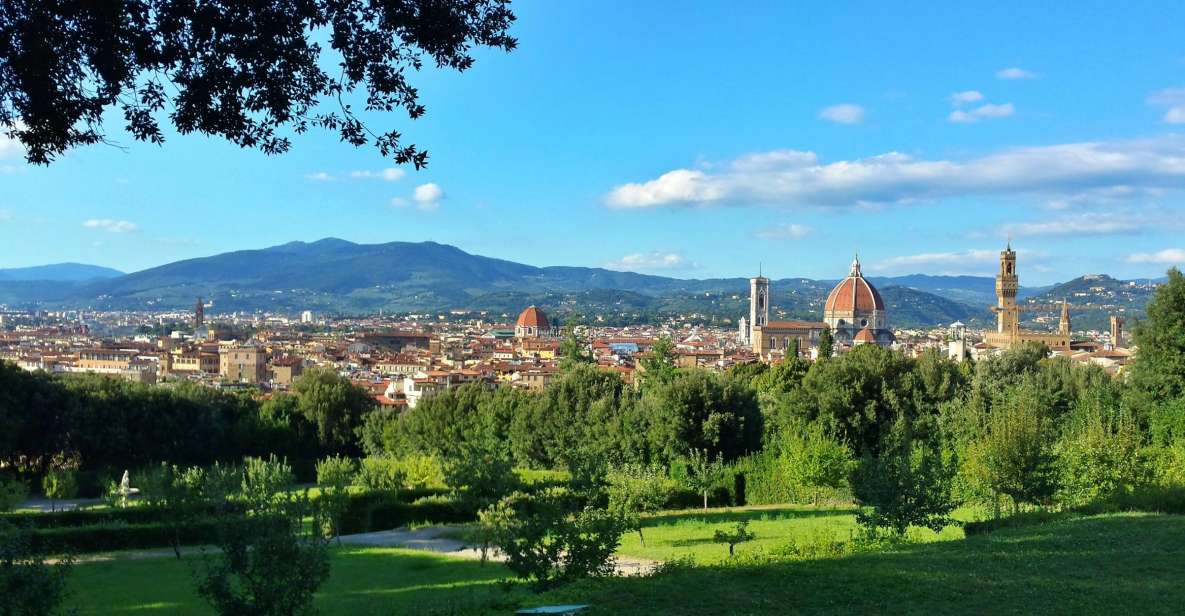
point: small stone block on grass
(553, 609)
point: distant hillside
(337, 276)
(1095, 297)
(59, 272)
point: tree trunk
(705, 500)
(641, 538)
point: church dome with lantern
(854, 308)
(533, 323)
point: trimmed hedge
(96, 517)
(371, 512)
(118, 536)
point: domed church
(533, 323)
(856, 312)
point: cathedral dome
(864, 337)
(532, 317)
(854, 295)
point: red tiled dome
(854, 294)
(864, 336)
(532, 317)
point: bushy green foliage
(812, 460)
(28, 584)
(379, 474)
(479, 477)
(909, 484)
(12, 492)
(634, 490)
(332, 404)
(421, 471)
(703, 411)
(265, 482)
(1099, 458)
(550, 537)
(702, 473)
(334, 476)
(1159, 371)
(59, 484)
(267, 563)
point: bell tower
(1007, 283)
(758, 303)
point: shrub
(379, 474)
(635, 490)
(266, 564)
(549, 538)
(907, 485)
(263, 480)
(334, 475)
(703, 474)
(28, 585)
(421, 471)
(113, 535)
(59, 484)
(1099, 459)
(377, 511)
(813, 460)
(479, 477)
(13, 492)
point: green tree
(908, 484)
(334, 476)
(253, 74)
(814, 460)
(268, 562)
(1014, 455)
(334, 405)
(12, 492)
(574, 350)
(702, 473)
(379, 474)
(549, 537)
(29, 585)
(635, 490)
(265, 482)
(1099, 456)
(659, 364)
(1158, 375)
(479, 477)
(826, 344)
(703, 411)
(61, 479)
(739, 534)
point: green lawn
(362, 581)
(1095, 565)
(689, 533)
(1117, 564)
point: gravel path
(428, 539)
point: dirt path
(428, 539)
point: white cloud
(1087, 224)
(1015, 73)
(962, 262)
(795, 179)
(845, 113)
(783, 231)
(107, 224)
(656, 260)
(983, 111)
(425, 197)
(10, 147)
(391, 174)
(965, 97)
(428, 196)
(1168, 256)
(1174, 100)
(1175, 115)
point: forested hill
(337, 276)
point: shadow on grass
(1098, 565)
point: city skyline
(703, 142)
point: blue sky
(697, 140)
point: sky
(702, 140)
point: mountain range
(337, 276)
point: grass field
(1118, 564)
(1096, 565)
(362, 581)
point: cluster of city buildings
(400, 361)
